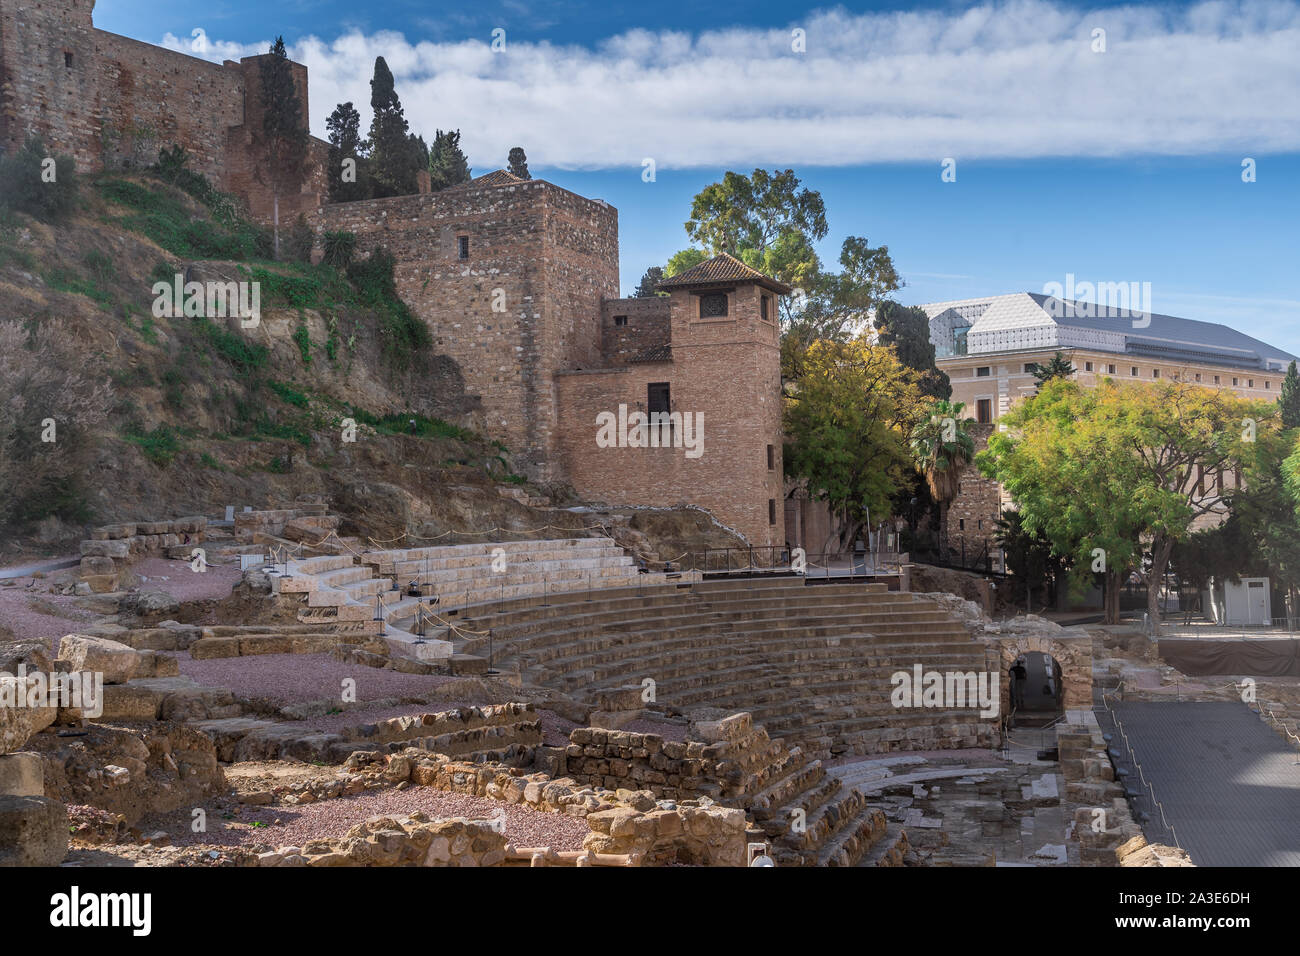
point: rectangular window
(1030, 367)
(1110, 369)
(1155, 373)
(67, 59)
(1087, 366)
(1198, 376)
(713, 305)
(1216, 380)
(657, 397)
(762, 307)
(1267, 384)
(984, 410)
(982, 371)
(771, 458)
(771, 511)
(462, 247)
(1133, 371)
(620, 320)
(1236, 382)
(1250, 383)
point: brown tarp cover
(1274, 658)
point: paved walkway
(1230, 786)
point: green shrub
(289, 394)
(26, 183)
(297, 245)
(303, 338)
(339, 248)
(61, 280)
(235, 349)
(159, 446)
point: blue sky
(1120, 164)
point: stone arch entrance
(1036, 688)
(1073, 655)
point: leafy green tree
(519, 163)
(351, 182)
(282, 139)
(1030, 557)
(1112, 472)
(447, 163)
(38, 183)
(765, 220)
(1289, 401)
(1058, 367)
(649, 282)
(942, 448)
(907, 329)
(846, 425)
(682, 260)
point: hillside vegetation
(156, 415)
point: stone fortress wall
(517, 279)
(111, 101)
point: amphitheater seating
(811, 662)
(349, 591)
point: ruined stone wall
(729, 372)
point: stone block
(33, 831)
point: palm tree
(942, 448)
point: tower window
(67, 59)
(771, 511)
(763, 308)
(462, 247)
(771, 457)
(620, 320)
(713, 305)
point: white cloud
(1006, 80)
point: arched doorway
(1036, 687)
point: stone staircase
(354, 593)
(809, 817)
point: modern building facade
(989, 348)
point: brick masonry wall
(728, 371)
(526, 241)
(647, 326)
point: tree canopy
(1111, 472)
(847, 423)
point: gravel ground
(297, 678)
(176, 578)
(28, 612)
(333, 818)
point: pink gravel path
(333, 818)
(27, 623)
(297, 678)
(176, 578)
